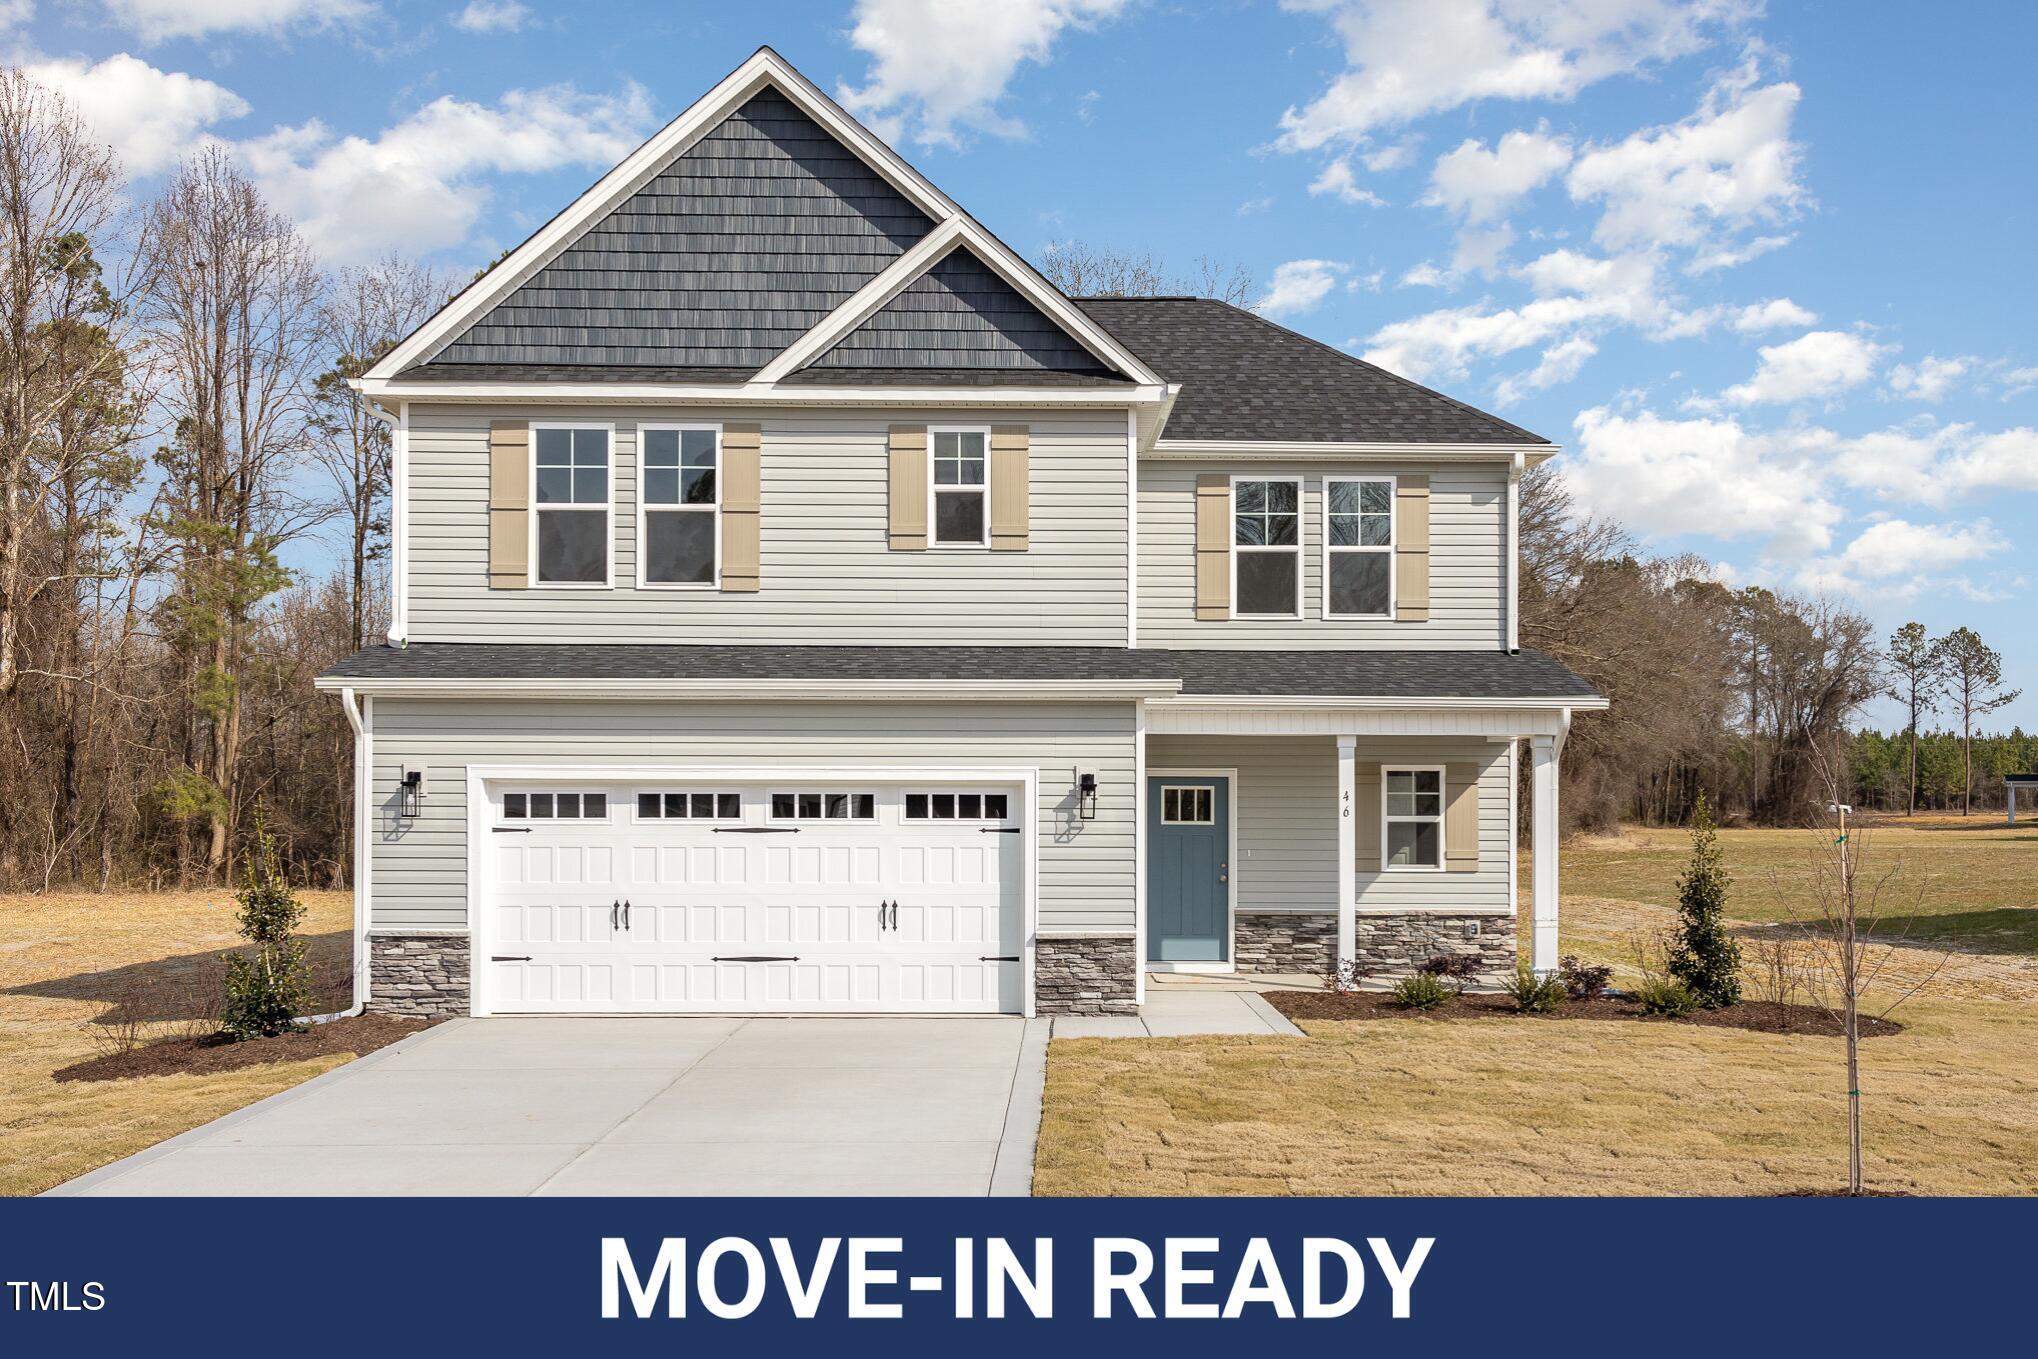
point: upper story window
(679, 505)
(962, 492)
(572, 522)
(1266, 551)
(1358, 547)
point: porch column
(1347, 847)
(1543, 839)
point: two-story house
(801, 605)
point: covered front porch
(1285, 838)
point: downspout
(358, 717)
(399, 514)
(1515, 468)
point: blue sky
(1764, 273)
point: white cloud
(492, 16)
(1560, 363)
(149, 117)
(2017, 381)
(1777, 313)
(1408, 58)
(1895, 557)
(1425, 275)
(1819, 363)
(417, 186)
(937, 66)
(155, 20)
(1299, 285)
(1696, 183)
(1927, 380)
(1714, 258)
(1480, 252)
(1337, 179)
(1255, 205)
(1479, 185)
(15, 13)
(1392, 157)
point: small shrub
(1457, 967)
(1582, 980)
(1423, 991)
(265, 987)
(1533, 995)
(1666, 996)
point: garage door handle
(510, 958)
(511, 830)
(895, 915)
(998, 830)
(986, 958)
(757, 830)
(751, 958)
(626, 915)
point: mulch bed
(360, 1035)
(1759, 1016)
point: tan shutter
(742, 449)
(1213, 545)
(1011, 486)
(1411, 550)
(909, 488)
(509, 505)
(1366, 816)
(1461, 818)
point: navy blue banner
(1574, 1276)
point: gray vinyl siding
(1467, 562)
(960, 314)
(728, 255)
(1287, 822)
(419, 879)
(828, 574)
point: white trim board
(764, 68)
(875, 690)
(1202, 449)
(751, 394)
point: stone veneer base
(1386, 946)
(1085, 976)
(419, 976)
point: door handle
(614, 907)
(895, 915)
(881, 916)
(626, 913)
(1224, 872)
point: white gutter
(359, 718)
(1563, 703)
(1046, 691)
(753, 394)
(1307, 448)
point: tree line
(182, 462)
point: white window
(824, 806)
(552, 806)
(961, 489)
(1358, 547)
(1412, 809)
(570, 530)
(957, 806)
(1187, 806)
(679, 504)
(1266, 548)
(677, 804)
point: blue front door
(1188, 876)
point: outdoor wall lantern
(411, 794)
(1086, 794)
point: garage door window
(530, 806)
(689, 805)
(957, 806)
(824, 806)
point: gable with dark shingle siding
(960, 314)
(724, 258)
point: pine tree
(1705, 957)
(265, 988)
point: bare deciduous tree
(1082, 270)
(234, 308)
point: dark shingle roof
(960, 314)
(1328, 674)
(1243, 377)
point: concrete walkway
(1180, 1005)
(777, 1106)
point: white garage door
(731, 897)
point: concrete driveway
(774, 1106)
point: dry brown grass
(65, 961)
(1537, 1107)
